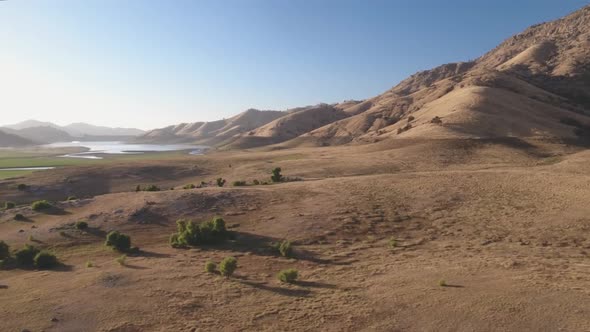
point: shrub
(121, 259)
(189, 186)
(276, 175)
(190, 233)
(436, 120)
(411, 118)
(220, 182)
(22, 187)
(45, 260)
(9, 205)
(72, 198)
(118, 241)
(256, 182)
(392, 243)
(41, 205)
(442, 283)
(64, 234)
(288, 275)
(19, 217)
(239, 183)
(285, 249)
(89, 264)
(228, 266)
(405, 128)
(152, 188)
(138, 188)
(210, 267)
(4, 250)
(81, 225)
(26, 256)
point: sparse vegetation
(4, 250)
(436, 120)
(9, 205)
(411, 118)
(41, 205)
(121, 259)
(239, 183)
(45, 260)
(210, 267)
(289, 276)
(220, 182)
(26, 256)
(228, 266)
(193, 234)
(189, 186)
(118, 241)
(19, 217)
(89, 264)
(392, 243)
(286, 249)
(81, 225)
(152, 187)
(405, 128)
(276, 175)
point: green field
(12, 159)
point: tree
(276, 175)
(118, 241)
(227, 266)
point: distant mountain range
(534, 84)
(33, 132)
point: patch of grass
(89, 264)
(41, 205)
(189, 186)
(442, 283)
(392, 243)
(239, 183)
(210, 267)
(228, 266)
(152, 188)
(14, 174)
(289, 276)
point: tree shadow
(95, 231)
(315, 284)
(134, 267)
(453, 286)
(151, 254)
(3, 287)
(278, 290)
(55, 211)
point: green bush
(392, 243)
(228, 266)
(239, 183)
(190, 233)
(81, 225)
(152, 188)
(121, 259)
(41, 205)
(288, 276)
(210, 267)
(9, 205)
(19, 217)
(26, 256)
(276, 175)
(118, 241)
(45, 260)
(220, 182)
(4, 250)
(189, 186)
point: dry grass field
(487, 236)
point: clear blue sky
(149, 63)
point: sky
(150, 63)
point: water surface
(95, 149)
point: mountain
(534, 84)
(41, 134)
(215, 132)
(78, 130)
(11, 140)
(85, 129)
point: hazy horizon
(131, 64)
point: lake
(97, 148)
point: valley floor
(506, 228)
